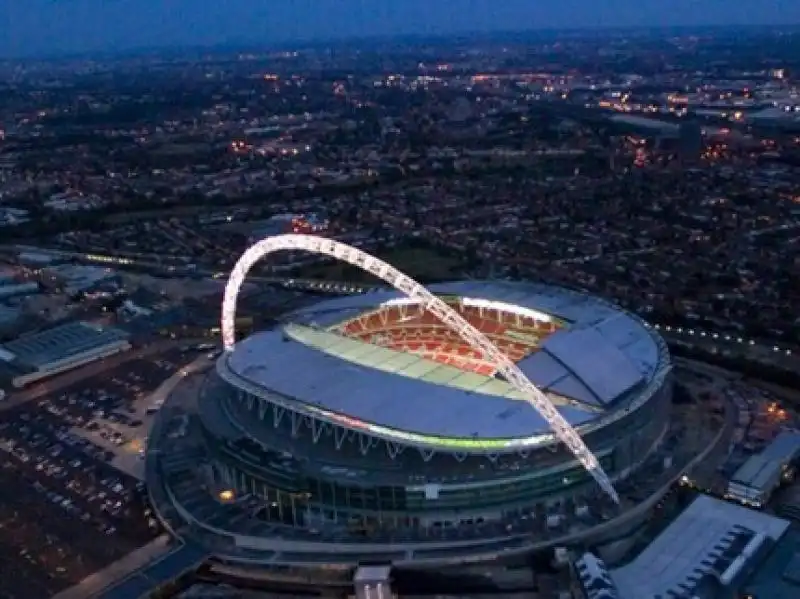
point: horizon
(45, 29)
(411, 38)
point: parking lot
(66, 508)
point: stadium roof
(299, 371)
(587, 368)
(409, 365)
(578, 309)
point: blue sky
(34, 27)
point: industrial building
(34, 357)
(11, 293)
(373, 582)
(711, 550)
(756, 480)
(16, 289)
(36, 259)
(594, 578)
(778, 576)
(11, 286)
(75, 279)
(9, 318)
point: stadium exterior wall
(425, 491)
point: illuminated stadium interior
(406, 326)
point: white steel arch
(448, 316)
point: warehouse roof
(52, 345)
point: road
(181, 270)
(127, 459)
(791, 395)
(166, 388)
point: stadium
(375, 416)
(376, 413)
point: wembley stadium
(371, 415)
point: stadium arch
(405, 284)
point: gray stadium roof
(587, 368)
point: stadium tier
(365, 413)
(409, 328)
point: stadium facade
(365, 414)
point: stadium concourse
(361, 429)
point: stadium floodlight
(402, 282)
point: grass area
(420, 263)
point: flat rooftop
(784, 448)
(598, 363)
(705, 540)
(761, 470)
(79, 277)
(778, 576)
(59, 343)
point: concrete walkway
(127, 458)
(166, 388)
(113, 573)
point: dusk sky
(37, 27)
